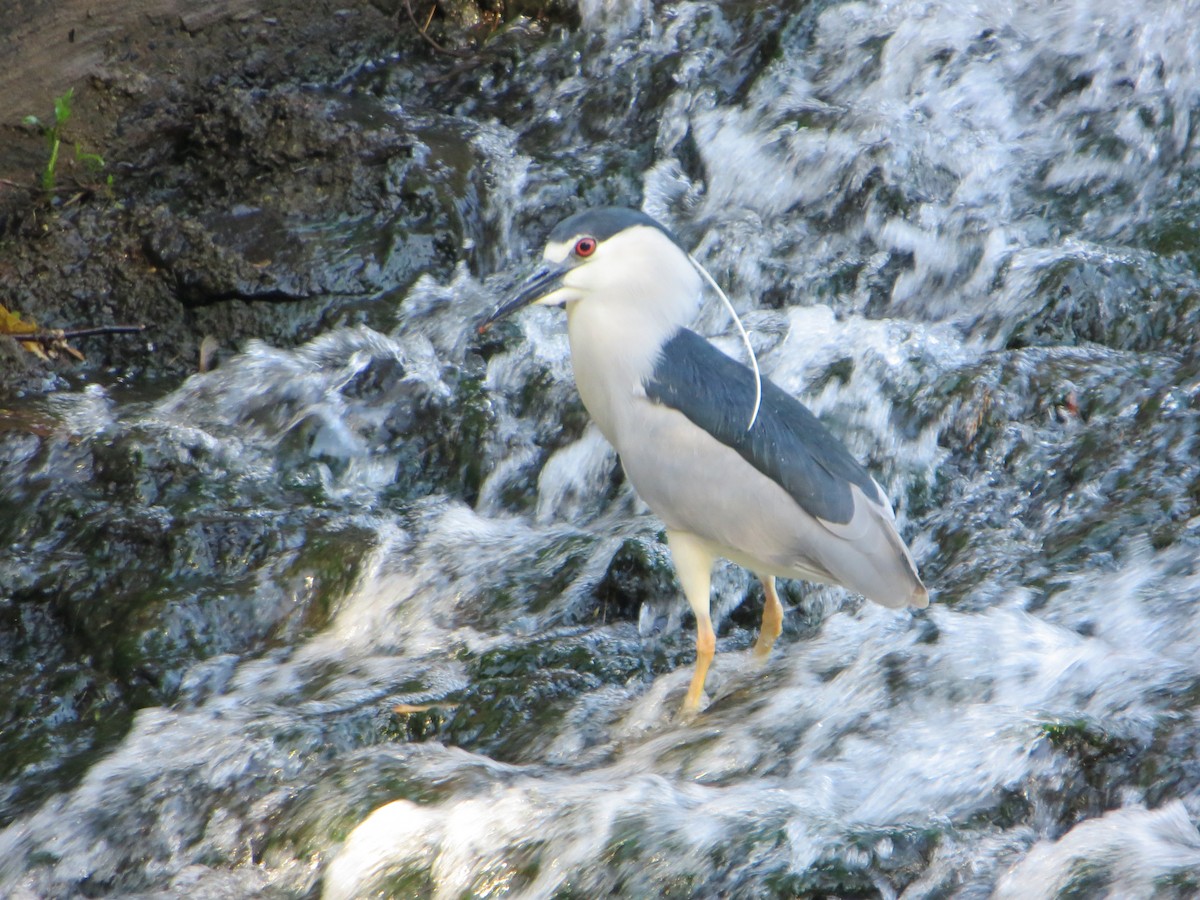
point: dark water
(415, 637)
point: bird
(734, 466)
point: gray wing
(788, 443)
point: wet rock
(126, 563)
(1131, 303)
(201, 271)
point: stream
(378, 615)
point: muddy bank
(235, 200)
(49, 46)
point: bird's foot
(762, 649)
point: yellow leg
(772, 620)
(693, 565)
(706, 648)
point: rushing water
(964, 233)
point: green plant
(54, 137)
(93, 161)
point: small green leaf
(93, 161)
(62, 107)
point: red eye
(585, 246)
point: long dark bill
(545, 281)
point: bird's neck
(613, 351)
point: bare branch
(425, 34)
(70, 334)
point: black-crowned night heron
(780, 496)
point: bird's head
(613, 256)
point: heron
(734, 466)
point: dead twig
(448, 51)
(69, 334)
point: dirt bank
(242, 194)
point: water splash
(954, 232)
